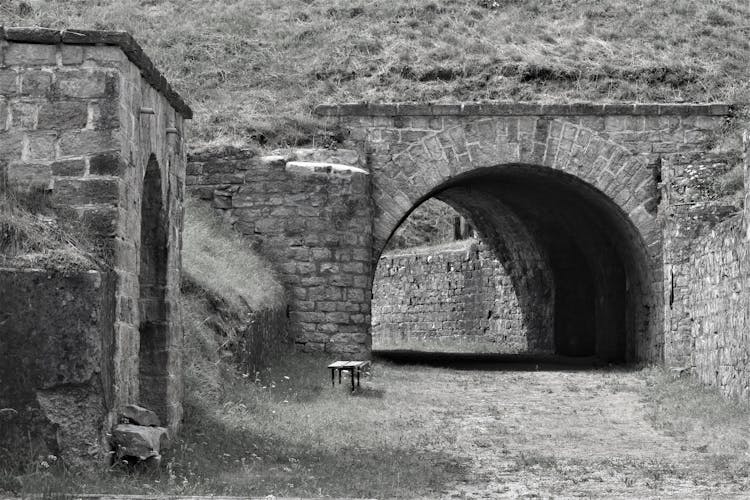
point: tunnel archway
(579, 266)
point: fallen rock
(140, 415)
(139, 441)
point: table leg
(339, 375)
(333, 377)
(358, 372)
(351, 374)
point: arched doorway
(154, 346)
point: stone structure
(456, 290)
(87, 119)
(707, 272)
(310, 215)
(565, 197)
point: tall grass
(34, 236)
(220, 261)
(253, 69)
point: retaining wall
(313, 222)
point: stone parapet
(522, 109)
(67, 43)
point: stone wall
(312, 220)
(708, 259)
(56, 345)
(717, 299)
(457, 291)
(84, 115)
(693, 202)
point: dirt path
(571, 434)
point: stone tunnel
(568, 198)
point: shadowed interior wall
(152, 278)
(453, 292)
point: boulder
(140, 416)
(139, 441)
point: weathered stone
(29, 176)
(36, 83)
(63, 115)
(106, 164)
(30, 54)
(69, 168)
(86, 84)
(86, 142)
(140, 416)
(41, 146)
(138, 441)
(8, 82)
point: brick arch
(432, 160)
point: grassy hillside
(254, 69)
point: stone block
(139, 415)
(23, 115)
(106, 164)
(78, 192)
(8, 82)
(87, 84)
(72, 54)
(139, 442)
(11, 145)
(69, 168)
(36, 83)
(40, 146)
(30, 54)
(26, 176)
(62, 115)
(87, 142)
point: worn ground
(577, 432)
(476, 428)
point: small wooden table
(353, 367)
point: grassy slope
(254, 69)
(218, 260)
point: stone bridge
(568, 197)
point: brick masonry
(82, 115)
(455, 291)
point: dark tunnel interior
(576, 262)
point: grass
(684, 407)
(418, 431)
(254, 69)
(32, 237)
(221, 262)
(431, 223)
(286, 433)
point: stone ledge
(315, 167)
(122, 39)
(521, 109)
